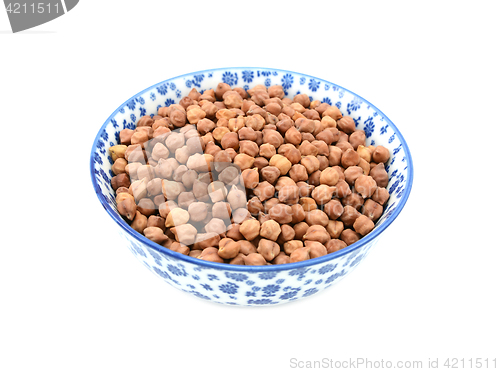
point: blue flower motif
(247, 76)
(383, 130)
(188, 83)
(210, 74)
(131, 104)
(229, 78)
(338, 104)
(115, 124)
(280, 281)
(138, 250)
(275, 73)
(207, 287)
(302, 80)
(176, 271)
(267, 82)
(327, 86)
(309, 292)
(256, 289)
(289, 295)
(122, 110)
(307, 281)
(191, 286)
(229, 288)
(198, 294)
(169, 102)
(287, 81)
(267, 275)
(262, 301)
(172, 86)
(152, 96)
(250, 282)
(327, 100)
(341, 93)
(327, 268)
(270, 290)
(212, 277)
(155, 256)
(250, 294)
(314, 85)
(369, 127)
(391, 138)
(162, 273)
(195, 277)
(162, 89)
(236, 276)
(246, 87)
(141, 100)
(396, 150)
(142, 111)
(319, 281)
(132, 117)
(299, 272)
(266, 73)
(334, 276)
(354, 105)
(178, 93)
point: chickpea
(254, 259)
(381, 154)
(268, 249)
(280, 162)
(311, 163)
(281, 213)
(349, 236)
(250, 229)
(289, 194)
(317, 217)
(365, 185)
(228, 248)
(317, 233)
(335, 245)
(264, 191)
(300, 254)
(323, 194)
(270, 230)
(281, 258)
(316, 249)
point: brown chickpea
(250, 229)
(254, 259)
(228, 248)
(333, 209)
(270, 230)
(365, 185)
(317, 217)
(317, 233)
(335, 228)
(379, 174)
(381, 154)
(349, 236)
(300, 254)
(281, 213)
(335, 245)
(316, 249)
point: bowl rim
(261, 268)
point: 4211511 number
(18, 8)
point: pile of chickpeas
(249, 177)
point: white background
(74, 299)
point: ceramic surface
(252, 285)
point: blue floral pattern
(228, 284)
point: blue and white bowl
(252, 285)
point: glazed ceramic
(252, 285)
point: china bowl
(239, 284)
